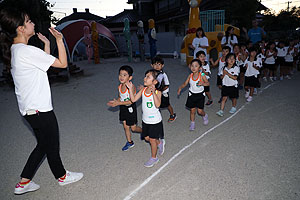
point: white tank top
(194, 88)
(221, 66)
(270, 60)
(151, 114)
(124, 96)
(289, 56)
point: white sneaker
(265, 79)
(275, 78)
(71, 177)
(247, 94)
(249, 99)
(288, 77)
(281, 78)
(271, 79)
(30, 187)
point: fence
(211, 18)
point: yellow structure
(214, 38)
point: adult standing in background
(256, 33)
(200, 42)
(29, 67)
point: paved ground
(254, 154)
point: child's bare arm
(183, 85)
(205, 81)
(133, 97)
(156, 97)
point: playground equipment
(213, 25)
(95, 38)
(88, 42)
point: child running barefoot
(206, 70)
(158, 64)
(221, 63)
(152, 120)
(230, 84)
(196, 97)
(127, 113)
(252, 66)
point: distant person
(200, 42)
(220, 63)
(280, 62)
(206, 70)
(158, 64)
(152, 120)
(290, 58)
(269, 65)
(29, 67)
(229, 76)
(196, 96)
(255, 34)
(229, 39)
(128, 114)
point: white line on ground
(134, 192)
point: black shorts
(242, 69)
(288, 64)
(219, 80)
(195, 100)
(206, 89)
(270, 66)
(155, 131)
(230, 91)
(165, 100)
(128, 114)
(279, 61)
(251, 81)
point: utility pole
(288, 8)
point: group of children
(241, 68)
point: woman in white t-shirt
(200, 42)
(229, 39)
(28, 66)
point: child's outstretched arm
(183, 85)
(131, 88)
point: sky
(105, 8)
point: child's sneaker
(249, 99)
(161, 147)
(274, 78)
(172, 118)
(271, 79)
(205, 119)
(255, 91)
(220, 113)
(281, 78)
(192, 126)
(247, 94)
(265, 79)
(151, 162)
(127, 146)
(209, 103)
(288, 77)
(70, 177)
(29, 187)
(232, 110)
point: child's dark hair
(254, 48)
(157, 59)
(227, 57)
(200, 29)
(157, 75)
(127, 68)
(10, 20)
(226, 48)
(196, 60)
(200, 53)
(236, 45)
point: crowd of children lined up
(240, 66)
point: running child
(128, 114)
(281, 53)
(252, 67)
(289, 59)
(196, 96)
(206, 70)
(152, 120)
(230, 89)
(221, 62)
(158, 64)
